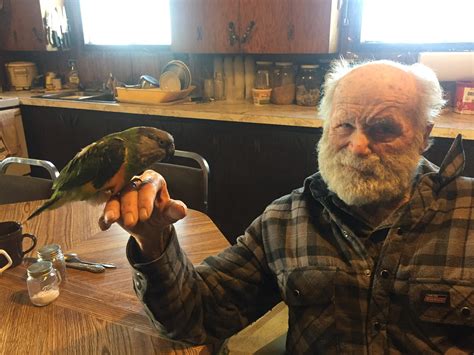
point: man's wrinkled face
(371, 149)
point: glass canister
(263, 75)
(42, 283)
(53, 253)
(308, 85)
(284, 87)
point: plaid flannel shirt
(418, 297)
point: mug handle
(10, 262)
(33, 239)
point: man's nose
(359, 143)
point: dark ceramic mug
(11, 242)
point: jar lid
(49, 251)
(283, 64)
(309, 66)
(40, 268)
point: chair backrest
(187, 177)
(15, 188)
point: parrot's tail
(47, 205)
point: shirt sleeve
(209, 302)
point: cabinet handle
(199, 33)
(291, 32)
(38, 37)
(233, 37)
(248, 31)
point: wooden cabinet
(28, 25)
(255, 26)
(250, 164)
(201, 26)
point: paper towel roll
(450, 66)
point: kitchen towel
(9, 139)
(449, 66)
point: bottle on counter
(54, 254)
(308, 85)
(73, 80)
(284, 87)
(42, 283)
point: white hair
(430, 93)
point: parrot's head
(154, 144)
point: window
(417, 21)
(125, 22)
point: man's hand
(144, 209)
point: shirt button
(385, 273)
(465, 311)
(367, 272)
(377, 326)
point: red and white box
(464, 97)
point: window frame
(350, 36)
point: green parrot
(103, 168)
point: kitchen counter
(447, 125)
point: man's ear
(426, 136)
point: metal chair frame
(36, 162)
(25, 188)
(203, 167)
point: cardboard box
(464, 97)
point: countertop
(448, 125)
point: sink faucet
(111, 85)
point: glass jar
(42, 283)
(53, 253)
(308, 85)
(263, 79)
(284, 87)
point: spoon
(73, 257)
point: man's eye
(345, 126)
(384, 131)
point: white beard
(371, 179)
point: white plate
(169, 81)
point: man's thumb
(174, 211)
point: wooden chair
(14, 188)
(187, 176)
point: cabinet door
(21, 26)
(313, 26)
(201, 26)
(271, 23)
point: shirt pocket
(310, 295)
(307, 286)
(443, 301)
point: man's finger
(146, 197)
(129, 206)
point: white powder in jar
(44, 298)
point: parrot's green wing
(96, 163)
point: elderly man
(374, 254)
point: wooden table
(95, 313)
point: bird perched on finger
(104, 167)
